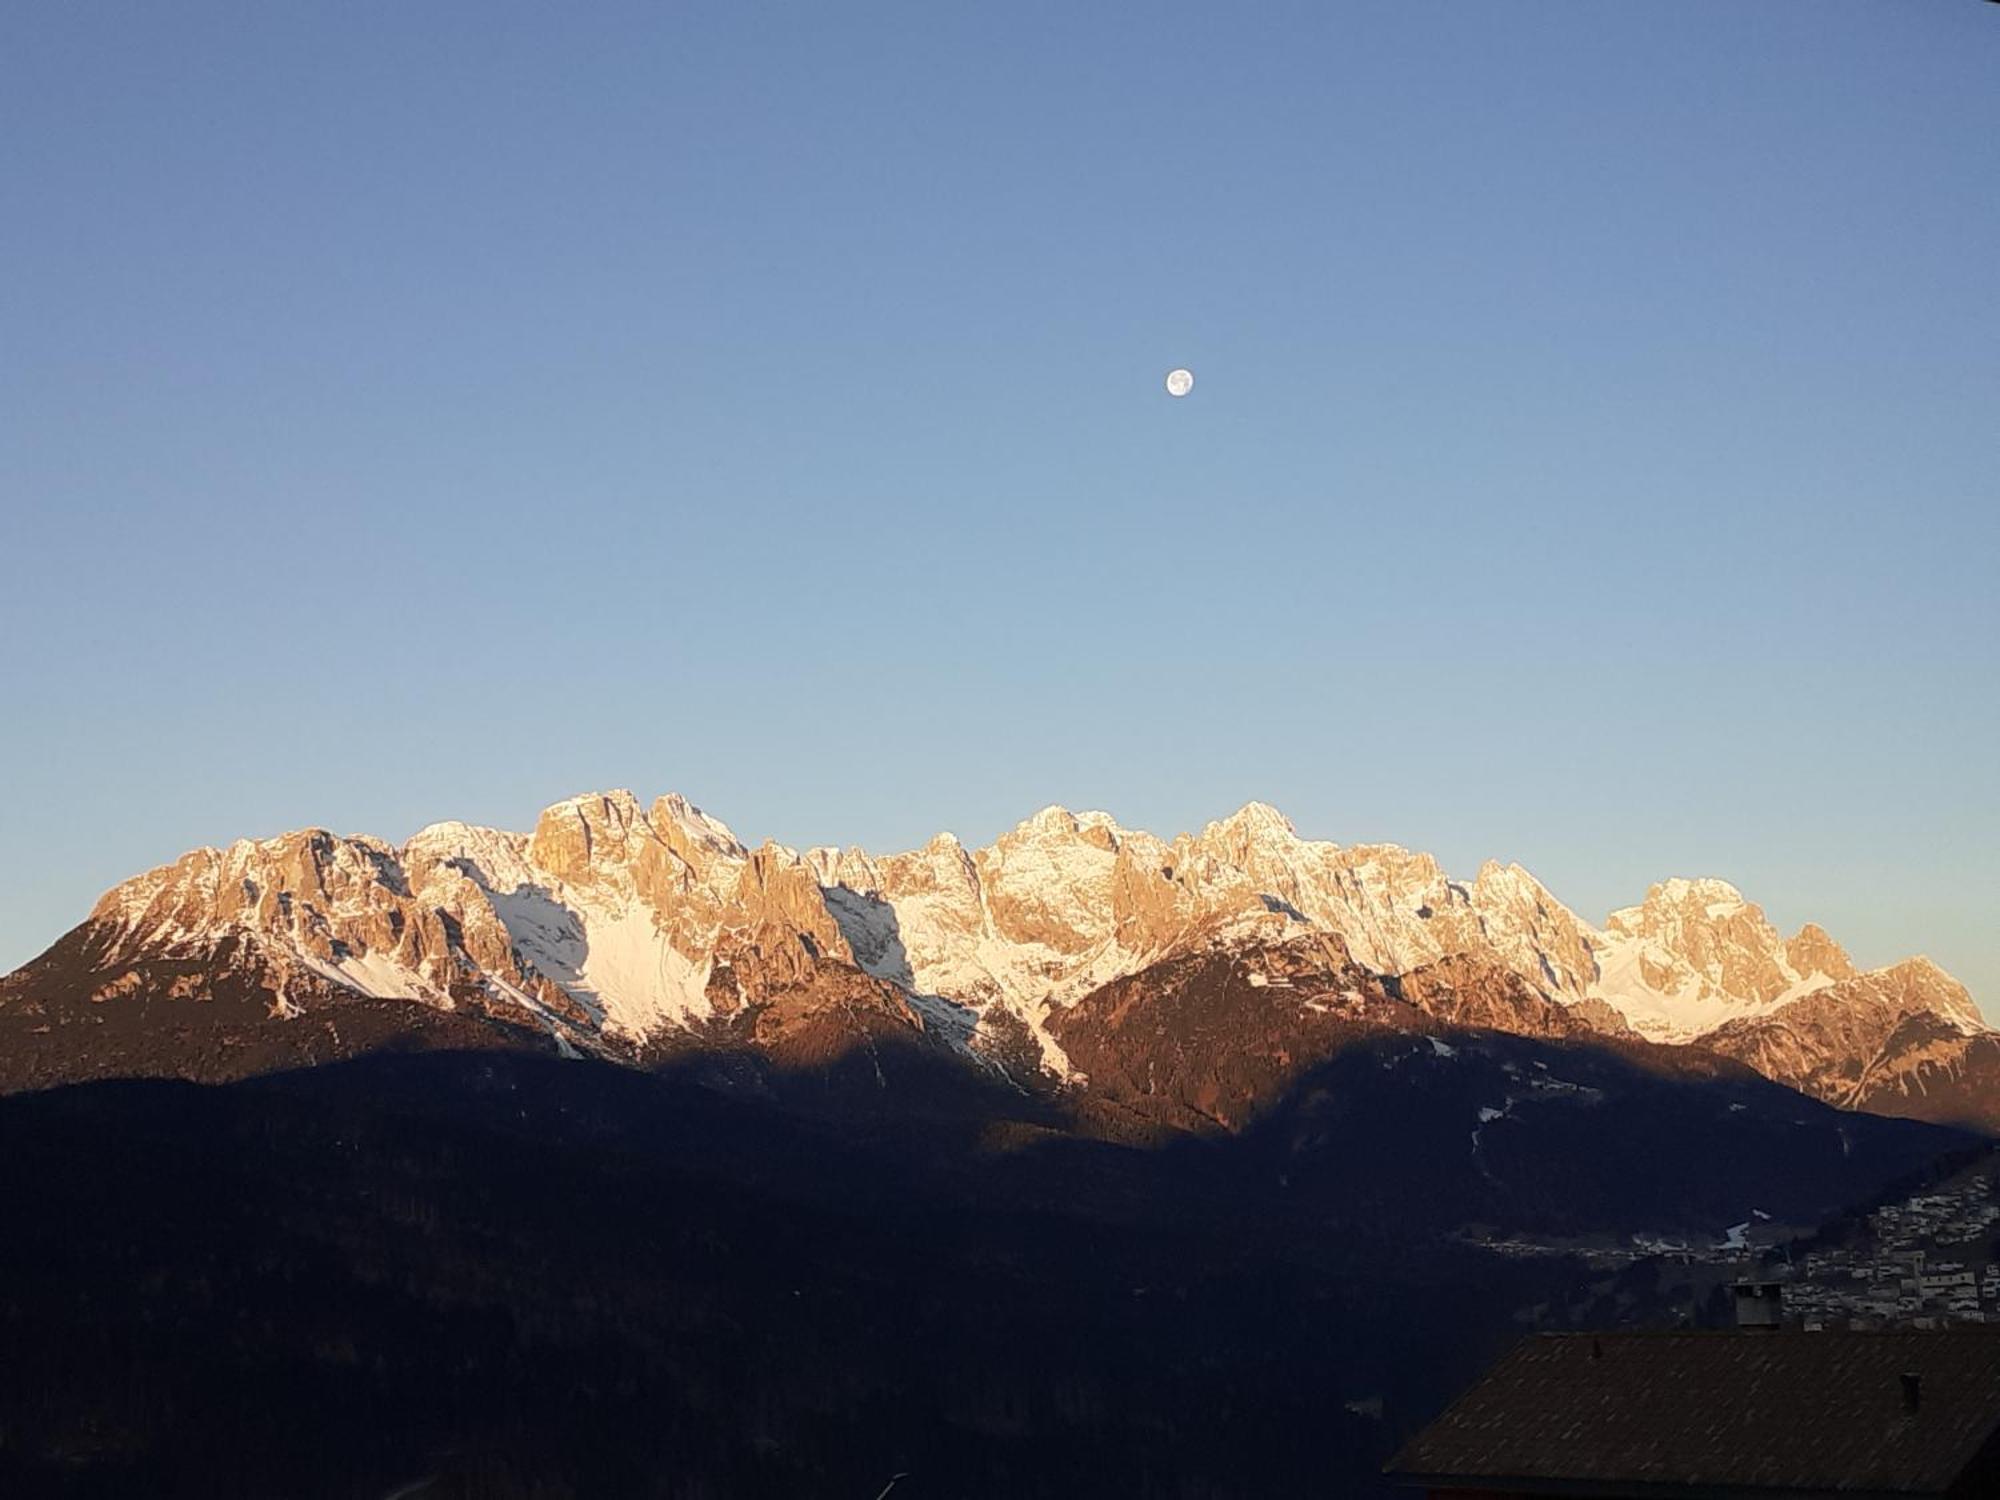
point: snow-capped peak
(675, 810)
(1253, 823)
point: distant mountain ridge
(627, 931)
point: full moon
(1179, 382)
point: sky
(412, 412)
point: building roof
(1802, 1413)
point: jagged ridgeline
(631, 933)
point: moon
(1179, 382)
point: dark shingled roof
(1754, 1410)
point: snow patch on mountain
(637, 979)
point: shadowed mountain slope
(507, 1275)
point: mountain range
(619, 1157)
(1050, 958)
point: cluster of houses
(1926, 1262)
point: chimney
(1913, 1390)
(1759, 1304)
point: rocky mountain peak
(1054, 821)
(1696, 954)
(1255, 826)
(1676, 904)
(687, 829)
(1048, 882)
(1920, 984)
(581, 837)
(1813, 951)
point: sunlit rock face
(621, 929)
(1904, 1040)
(1694, 955)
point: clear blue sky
(425, 411)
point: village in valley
(1928, 1258)
(1923, 1262)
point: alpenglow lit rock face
(1695, 954)
(624, 929)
